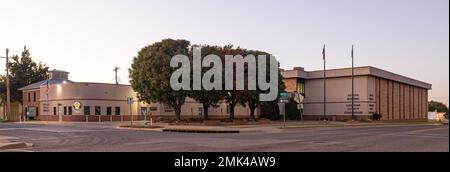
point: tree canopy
(23, 71)
(437, 106)
(150, 74)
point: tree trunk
(205, 112)
(252, 113)
(177, 113)
(232, 112)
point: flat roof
(39, 84)
(358, 71)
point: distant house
(436, 116)
(16, 111)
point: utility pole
(115, 70)
(8, 97)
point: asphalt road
(105, 137)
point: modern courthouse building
(394, 96)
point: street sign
(284, 97)
(130, 100)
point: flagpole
(353, 87)
(324, 85)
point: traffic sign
(130, 100)
(284, 97)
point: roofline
(372, 71)
(96, 83)
(99, 83)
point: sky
(89, 37)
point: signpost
(130, 102)
(284, 98)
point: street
(82, 137)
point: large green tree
(23, 71)
(233, 97)
(208, 98)
(150, 74)
(251, 97)
(437, 106)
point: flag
(323, 52)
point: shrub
(376, 116)
(292, 112)
(269, 110)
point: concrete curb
(351, 125)
(184, 130)
(141, 129)
(14, 145)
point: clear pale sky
(89, 37)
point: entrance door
(200, 112)
(31, 112)
(144, 113)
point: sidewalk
(7, 143)
(322, 124)
(276, 127)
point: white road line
(423, 136)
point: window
(46, 107)
(153, 108)
(98, 110)
(200, 111)
(65, 110)
(167, 108)
(70, 110)
(108, 110)
(117, 109)
(54, 110)
(228, 109)
(301, 87)
(34, 96)
(143, 111)
(29, 97)
(87, 110)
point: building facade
(59, 98)
(393, 96)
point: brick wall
(398, 101)
(291, 84)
